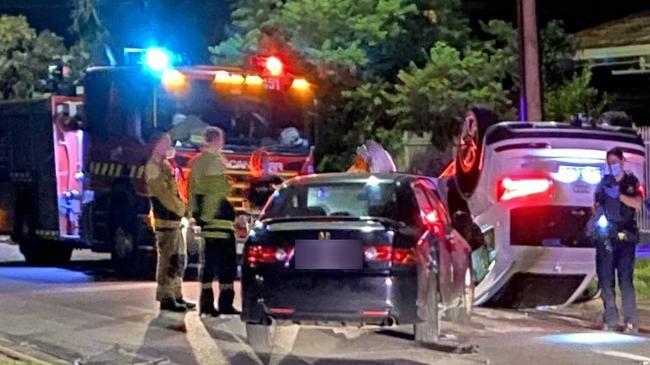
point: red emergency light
(274, 66)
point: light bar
(300, 85)
(172, 79)
(254, 80)
(236, 79)
(222, 77)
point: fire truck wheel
(38, 251)
(45, 252)
(129, 259)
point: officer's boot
(206, 303)
(226, 298)
(189, 305)
(172, 306)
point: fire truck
(72, 168)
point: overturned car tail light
(403, 256)
(512, 188)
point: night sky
(192, 25)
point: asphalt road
(82, 313)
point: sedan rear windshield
(331, 200)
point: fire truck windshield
(120, 102)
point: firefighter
(372, 158)
(209, 189)
(168, 209)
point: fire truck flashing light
(274, 66)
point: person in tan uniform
(168, 209)
(209, 190)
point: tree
(91, 34)
(25, 56)
(574, 96)
(386, 67)
(432, 98)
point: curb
(19, 356)
(31, 357)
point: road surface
(82, 313)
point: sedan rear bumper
(309, 297)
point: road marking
(285, 338)
(624, 355)
(204, 348)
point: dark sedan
(363, 249)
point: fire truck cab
(72, 168)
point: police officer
(168, 209)
(617, 199)
(209, 189)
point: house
(618, 53)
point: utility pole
(530, 104)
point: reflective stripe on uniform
(226, 286)
(164, 223)
(216, 234)
(219, 224)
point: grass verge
(642, 278)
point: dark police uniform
(209, 189)
(615, 252)
(261, 189)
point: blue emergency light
(158, 59)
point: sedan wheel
(260, 336)
(428, 330)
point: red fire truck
(72, 168)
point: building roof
(631, 30)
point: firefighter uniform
(168, 209)
(209, 189)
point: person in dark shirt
(617, 199)
(263, 180)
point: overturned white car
(529, 187)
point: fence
(644, 215)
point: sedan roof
(342, 177)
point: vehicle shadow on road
(295, 360)
(226, 339)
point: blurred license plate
(328, 255)
(583, 189)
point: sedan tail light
(267, 254)
(512, 188)
(386, 253)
